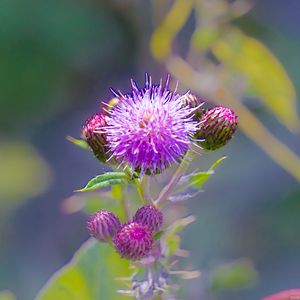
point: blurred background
(58, 60)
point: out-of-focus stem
(168, 189)
(143, 189)
(125, 205)
(146, 189)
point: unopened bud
(96, 139)
(150, 216)
(103, 225)
(217, 127)
(133, 241)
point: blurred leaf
(236, 275)
(197, 180)
(162, 38)
(90, 275)
(179, 225)
(267, 78)
(285, 295)
(204, 37)
(46, 47)
(7, 295)
(24, 174)
(173, 244)
(78, 142)
(117, 192)
(104, 180)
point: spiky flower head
(150, 216)
(217, 127)
(94, 137)
(149, 128)
(133, 241)
(103, 225)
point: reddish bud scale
(103, 225)
(150, 216)
(91, 132)
(217, 127)
(133, 241)
(192, 101)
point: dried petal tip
(96, 139)
(217, 127)
(150, 216)
(133, 241)
(103, 225)
(192, 101)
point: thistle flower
(96, 139)
(133, 241)
(149, 128)
(103, 225)
(217, 127)
(150, 216)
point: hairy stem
(168, 189)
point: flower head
(133, 241)
(217, 127)
(149, 128)
(150, 216)
(96, 139)
(103, 225)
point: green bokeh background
(57, 62)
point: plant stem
(168, 189)
(146, 189)
(143, 189)
(125, 204)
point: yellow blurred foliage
(23, 174)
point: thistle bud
(192, 101)
(96, 139)
(150, 216)
(103, 225)
(133, 241)
(217, 127)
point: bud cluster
(132, 240)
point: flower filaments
(150, 216)
(133, 241)
(103, 225)
(150, 129)
(217, 127)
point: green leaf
(266, 77)
(104, 180)
(198, 179)
(7, 295)
(91, 275)
(236, 275)
(78, 142)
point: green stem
(143, 189)
(168, 189)
(125, 204)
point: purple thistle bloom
(217, 127)
(150, 216)
(133, 241)
(150, 128)
(103, 225)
